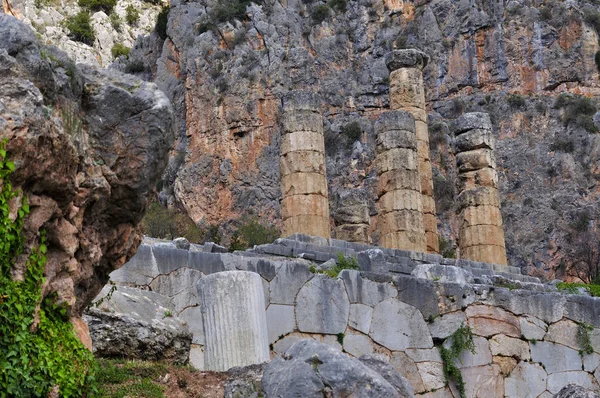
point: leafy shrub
(119, 50)
(446, 248)
(229, 10)
(443, 192)
(115, 21)
(320, 13)
(352, 131)
(437, 134)
(342, 263)
(134, 66)
(578, 110)
(163, 223)
(80, 28)
(161, 22)
(457, 107)
(34, 357)
(516, 101)
(546, 13)
(562, 145)
(461, 340)
(339, 5)
(583, 337)
(593, 289)
(132, 16)
(250, 233)
(98, 5)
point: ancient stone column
(481, 233)
(407, 93)
(305, 204)
(351, 216)
(400, 211)
(235, 322)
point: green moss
(34, 357)
(572, 288)
(80, 28)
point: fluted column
(481, 232)
(305, 203)
(400, 210)
(235, 322)
(407, 93)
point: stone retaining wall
(525, 332)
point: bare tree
(586, 257)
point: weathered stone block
(509, 347)
(358, 214)
(481, 215)
(396, 159)
(482, 356)
(300, 100)
(280, 321)
(298, 120)
(557, 381)
(395, 120)
(472, 121)
(398, 180)
(400, 220)
(475, 160)
(390, 139)
(488, 321)
(555, 357)
(532, 328)
(474, 139)
(301, 141)
(360, 317)
(564, 332)
(477, 235)
(478, 197)
(408, 240)
(442, 327)
(304, 184)
(406, 58)
(302, 162)
(406, 89)
(527, 380)
(307, 224)
(432, 374)
(295, 205)
(483, 381)
(365, 291)
(398, 326)
(358, 345)
(290, 278)
(488, 253)
(354, 233)
(400, 200)
(479, 178)
(322, 306)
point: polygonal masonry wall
(525, 334)
(305, 202)
(481, 232)
(407, 93)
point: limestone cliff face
(89, 146)
(226, 82)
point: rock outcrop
(575, 391)
(89, 146)
(481, 231)
(312, 369)
(136, 324)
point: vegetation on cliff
(39, 352)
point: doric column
(481, 233)
(400, 211)
(407, 93)
(351, 216)
(235, 321)
(305, 204)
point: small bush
(320, 13)
(352, 131)
(593, 289)
(98, 5)
(443, 191)
(546, 13)
(446, 248)
(437, 134)
(160, 222)
(250, 233)
(132, 16)
(339, 5)
(134, 66)
(115, 21)
(80, 28)
(457, 107)
(562, 145)
(578, 110)
(161, 22)
(229, 10)
(582, 221)
(592, 17)
(119, 50)
(516, 101)
(400, 42)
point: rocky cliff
(529, 64)
(88, 146)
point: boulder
(137, 324)
(312, 369)
(575, 391)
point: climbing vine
(461, 340)
(38, 349)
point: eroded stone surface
(532, 328)
(488, 321)
(281, 320)
(360, 317)
(528, 380)
(365, 291)
(399, 326)
(557, 381)
(555, 357)
(509, 347)
(442, 327)
(322, 306)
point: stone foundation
(407, 93)
(305, 204)
(396, 307)
(481, 233)
(400, 211)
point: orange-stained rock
(80, 327)
(488, 321)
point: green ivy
(461, 340)
(38, 349)
(583, 336)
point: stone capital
(406, 58)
